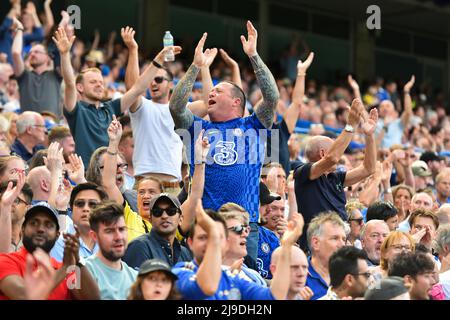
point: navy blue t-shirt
(322, 194)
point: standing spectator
(443, 187)
(89, 117)
(326, 234)
(40, 229)
(416, 269)
(372, 237)
(349, 274)
(318, 187)
(424, 224)
(356, 222)
(30, 135)
(422, 175)
(7, 28)
(114, 277)
(155, 281)
(443, 214)
(402, 195)
(126, 148)
(299, 271)
(382, 210)
(160, 243)
(226, 105)
(39, 179)
(435, 162)
(63, 136)
(420, 200)
(39, 87)
(84, 198)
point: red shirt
(14, 264)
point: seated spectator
(63, 136)
(349, 274)
(420, 200)
(39, 180)
(443, 214)
(126, 148)
(382, 210)
(299, 271)
(372, 237)
(10, 166)
(390, 288)
(30, 135)
(155, 281)
(442, 247)
(356, 222)
(114, 277)
(12, 265)
(417, 270)
(424, 224)
(402, 195)
(326, 234)
(443, 187)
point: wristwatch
(349, 128)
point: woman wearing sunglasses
(356, 223)
(237, 221)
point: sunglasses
(359, 220)
(81, 203)
(159, 80)
(122, 166)
(240, 229)
(158, 212)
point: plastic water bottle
(168, 41)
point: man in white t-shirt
(158, 149)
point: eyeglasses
(365, 274)
(39, 125)
(240, 229)
(122, 166)
(158, 212)
(375, 236)
(19, 201)
(159, 80)
(81, 203)
(400, 247)
(358, 220)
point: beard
(31, 246)
(111, 256)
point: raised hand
(203, 220)
(11, 193)
(63, 43)
(356, 111)
(76, 169)
(272, 180)
(282, 225)
(115, 130)
(38, 284)
(249, 45)
(17, 24)
(63, 198)
(160, 56)
(71, 248)
(210, 57)
(294, 230)
(201, 147)
(370, 124)
(306, 293)
(352, 82)
(302, 67)
(201, 58)
(127, 34)
(227, 59)
(54, 159)
(387, 170)
(30, 8)
(409, 84)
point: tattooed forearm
(269, 91)
(181, 115)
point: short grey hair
(25, 120)
(370, 223)
(442, 239)
(315, 227)
(443, 213)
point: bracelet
(20, 29)
(62, 212)
(156, 64)
(301, 74)
(111, 153)
(79, 264)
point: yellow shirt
(138, 226)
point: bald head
(39, 180)
(421, 200)
(315, 146)
(297, 255)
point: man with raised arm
(237, 145)
(89, 117)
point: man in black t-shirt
(318, 187)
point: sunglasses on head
(92, 204)
(158, 212)
(239, 229)
(160, 79)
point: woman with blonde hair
(12, 131)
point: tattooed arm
(264, 77)
(181, 115)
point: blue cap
(49, 125)
(42, 207)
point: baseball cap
(430, 156)
(172, 199)
(420, 169)
(265, 196)
(42, 207)
(387, 289)
(156, 265)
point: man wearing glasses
(31, 133)
(349, 274)
(161, 242)
(84, 199)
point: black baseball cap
(42, 207)
(172, 199)
(430, 156)
(156, 265)
(265, 196)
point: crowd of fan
(127, 178)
